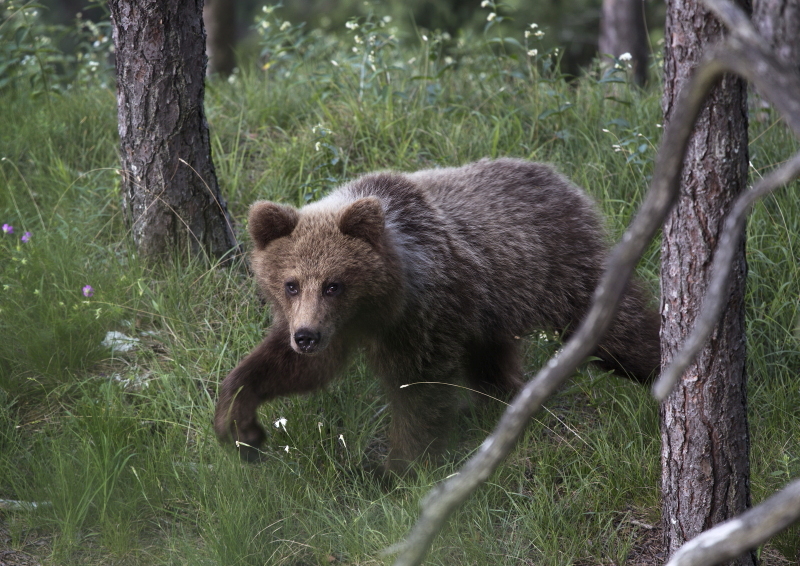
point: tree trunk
(622, 30)
(219, 17)
(778, 21)
(171, 198)
(705, 443)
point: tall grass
(119, 446)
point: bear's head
(327, 269)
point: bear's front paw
(247, 437)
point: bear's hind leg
(422, 415)
(495, 368)
(631, 346)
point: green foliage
(119, 444)
(30, 53)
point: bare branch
(737, 22)
(747, 531)
(774, 80)
(718, 287)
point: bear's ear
(268, 221)
(364, 219)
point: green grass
(133, 475)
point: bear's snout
(307, 340)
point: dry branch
(744, 53)
(749, 530)
(718, 287)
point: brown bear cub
(435, 274)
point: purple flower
(26, 236)
(8, 229)
(88, 291)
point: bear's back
(498, 233)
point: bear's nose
(307, 340)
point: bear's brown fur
(435, 274)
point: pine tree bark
(172, 200)
(705, 443)
(622, 30)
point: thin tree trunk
(172, 200)
(220, 20)
(622, 30)
(705, 443)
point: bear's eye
(332, 289)
(291, 288)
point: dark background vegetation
(571, 25)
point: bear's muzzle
(306, 340)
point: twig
(14, 505)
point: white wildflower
(351, 25)
(491, 16)
(280, 423)
(539, 34)
(625, 57)
(358, 39)
(285, 26)
(485, 4)
(334, 63)
(534, 26)
(533, 53)
(286, 448)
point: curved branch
(773, 80)
(747, 531)
(718, 287)
(737, 22)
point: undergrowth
(116, 447)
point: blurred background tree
(571, 25)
